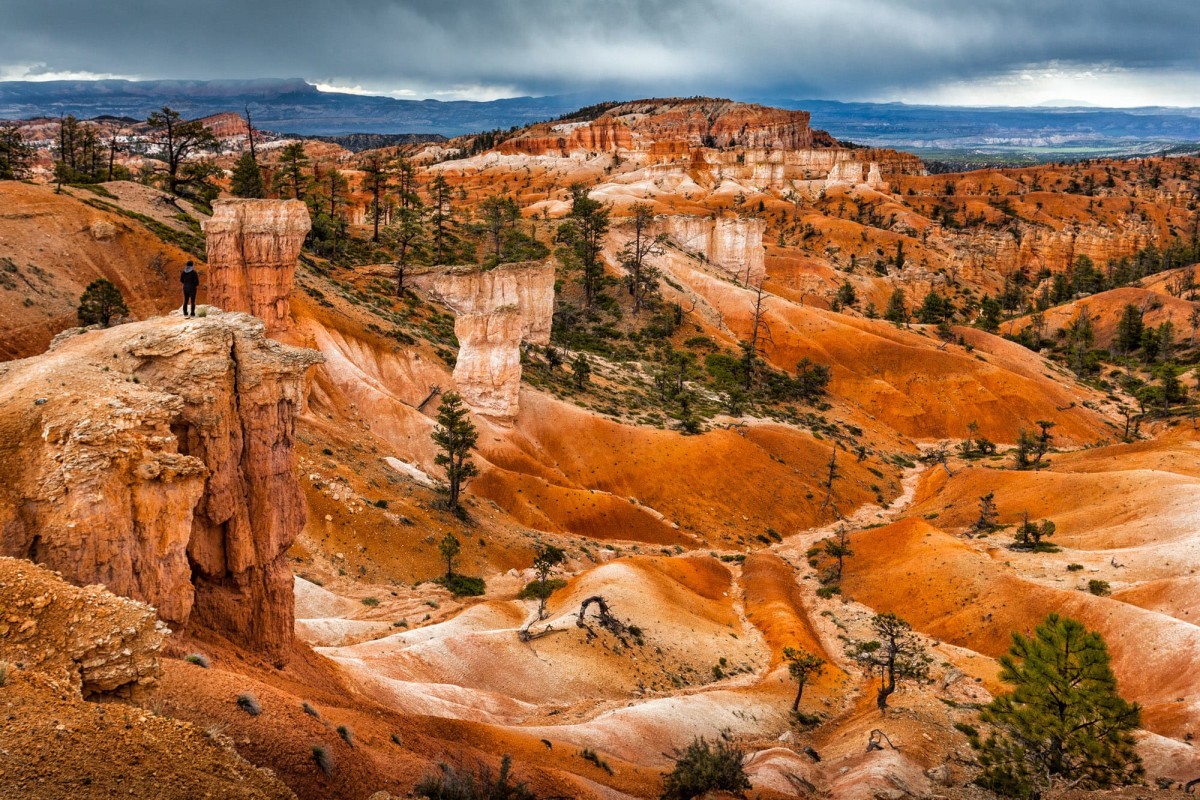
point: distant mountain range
(294, 106)
(291, 106)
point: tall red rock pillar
(253, 247)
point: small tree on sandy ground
(546, 560)
(897, 654)
(988, 516)
(802, 666)
(1033, 535)
(455, 436)
(100, 303)
(837, 547)
(450, 547)
(1063, 725)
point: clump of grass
(396, 740)
(199, 659)
(1099, 588)
(1074, 567)
(587, 754)
(308, 709)
(322, 758)
(249, 703)
(346, 734)
(370, 602)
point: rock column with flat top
(253, 248)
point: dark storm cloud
(851, 48)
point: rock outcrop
(253, 246)
(494, 312)
(99, 643)
(850, 173)
(734, 245)
(674, 125)
(156, 458)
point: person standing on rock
(191, 282)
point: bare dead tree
(250, 134)
(831, 476)
(753, 349)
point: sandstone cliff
(734, 245)
(253, 246)
(156, 458)
(495, 311)
(673, 126)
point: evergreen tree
(443, 239)
(1129, 329)
(933, 309)
(989, 314)
(581, 368)
(802, 666)
(897, 654)
(837, 547)
(897, 307)
(703, 768)
(584, 233)
(15, 154)
(1064, 724)
(449, 547)
(498, 214)
(846, 295)
(455, 436)
(247, 180)
(377, 179)
(406, 236)
(642, 277)
(100, 302)
(290, 179)
(176, 139)
(546, 559)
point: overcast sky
(973, 52)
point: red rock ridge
(156, 458)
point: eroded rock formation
(156, 458)
(253, 246)
(99, 643)
(734, 245)
(494, 312)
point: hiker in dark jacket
(191, 282)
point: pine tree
(406, 236)
(175, 140)
(583, 232)
(449, 547)
(455, 435)
(643, 277)
(15, 154)
(897, 654)
(1063, 723)
(802, 666)
(100, 302)
(897, 308)
(546, 559)
(247, 180)
(290, 178)
(377, 179)
(442, 221)
(1129, 329)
